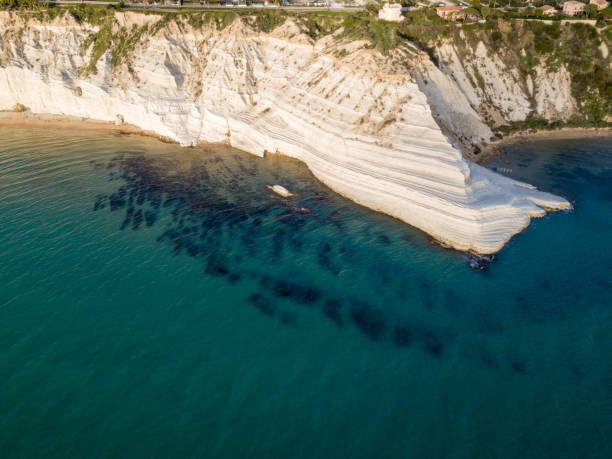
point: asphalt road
(215, 7)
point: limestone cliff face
(364, 125)
(471, 89)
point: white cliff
(363, 128)
(498, 91)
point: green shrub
(220, 19)
(544, 45)
(90, 14)
(381, 34)
(20, 108)
(267, 21)
(124, 43)
(101, 41)
(20, 4)
(317, 25)
(162, 23)
(195, 20)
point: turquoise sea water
(162, 302)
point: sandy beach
(558, 134)
(28, 119)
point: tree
(373, 8)
(477, 9)
(591, 10)
(19, 4)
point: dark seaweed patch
(96, 165)
(207, 212)
(116, 202)
(332, 310)
(325, 258)
(262, 303)
(296, 292)
(384, 239)
(278, 243)
(490, 323)
(432, 343)
(410, 239)
(128, 218)
(517, 366)
(537, 310)
(544, 285)
(137, 219)
(288, 318)
(368, 319)
(150, 217)
(602, 283)
(402, 336)
(216, 267)
(487, 359)
(100, 202)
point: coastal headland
(383, 120)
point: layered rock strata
(363, 127)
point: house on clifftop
(391, 12)
(448, 12)
(600, 4)
(548, 10)
(572, 8)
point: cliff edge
(363, 122)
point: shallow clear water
(158, 301)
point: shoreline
(492, 149)
(29, 120)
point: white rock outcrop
(497, 89)
(367, 133)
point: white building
(573, 8)
(601, 4)
(391, 12)
(548, 10)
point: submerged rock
(480, 262)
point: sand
(492, 149)
(31, 120)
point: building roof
(449, 8)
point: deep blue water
(162, 302)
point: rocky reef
(384, 131)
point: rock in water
(284, 192)
(480, 262)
